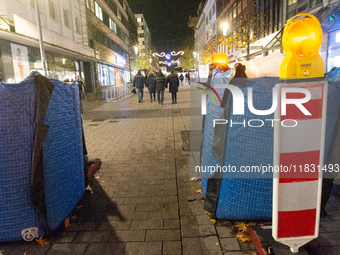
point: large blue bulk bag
(248, 196)
(62, 155)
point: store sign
(120, 60)
(20, 62)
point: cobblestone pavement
(142, 200)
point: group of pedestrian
(157, 84)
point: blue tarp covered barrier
(62, 156)
(248, 196)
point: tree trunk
(248, 51)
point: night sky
(167, 21)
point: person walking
(173, 82)
(188, 77)
(181, 78)
(151, 85)
(138, 83)
(160, 86)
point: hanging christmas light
(159, 55)
(173, 53)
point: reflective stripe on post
(298, 160)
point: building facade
(144, 35)
(272, 16)
(87, 38)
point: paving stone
(137, 200)
(149, 207)
(163, 215)
(163, 235)
(230, 244)
(147, 224)
(206, 230)
(67, 249)
(191, 246)
(189, 226)
(127, 236)
(171, 224)
(225, 231)
(203, 219)
(328, 239)
(172, 247)
(114, 225)
(92, 237)
(105, 249)
(63, 237)
(210, 243)
(145, 248)
(30, 248)
(136, 215)
(86, 226)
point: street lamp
(224, 28)
(136, 51)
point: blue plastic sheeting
(250, 197)
(17, 125)
(213, 112)
(63, 160)
(63, 154)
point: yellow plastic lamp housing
(220, 59)
(301, 41)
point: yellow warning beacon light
(220, 59)
(301, 41)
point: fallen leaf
(42, 241)
(243, 237)
(24, 253)
(206, 212)
(162, 209)
(199, 191)
(241, 226)
(67, 223)
(202, 199)
(213, 221)
(103, 181)
(4, 250)
(97, 177)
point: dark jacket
(173, 81)
(151, 83)
(160, 81)
(181, 77)
(138, 81)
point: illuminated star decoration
(167, 56)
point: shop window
(214, 9)
(210, 15)
(290, 2)
(139, 19)
(124, 6)
(206, 20)
(51, 9)
(301, 1)
(239, 8)
(98, 11)
(65, 14)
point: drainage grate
(98, 120)
(93, 125)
